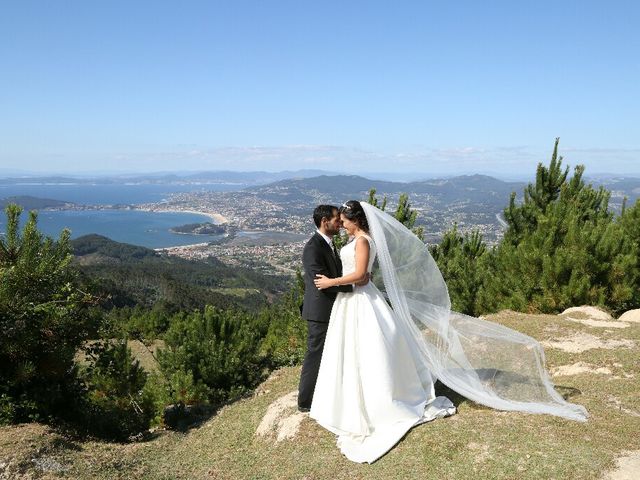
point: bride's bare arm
(360, 274)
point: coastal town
(271, 259)
(264, 227)
(268, 229)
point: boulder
(631, 316)
(587, 312)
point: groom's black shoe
(304, 409)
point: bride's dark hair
(354, 212)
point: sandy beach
(215, 217)
(176, 250)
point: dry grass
(477, 442)
(143, 353)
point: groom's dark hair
(323, 211)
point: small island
(206, 228)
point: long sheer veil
(483, 361)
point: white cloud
(508, 160)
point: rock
(288, 427)
(282, 418)
(631, 316)
(627, 467)
(587, 312)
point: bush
(43, 321)
(459, 259)
(138, 322)
(117, 404)
(214, 353)
(285, 342)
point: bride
(380, 362)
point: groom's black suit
(317, 258)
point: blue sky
(433, 87)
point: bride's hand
(322, 282)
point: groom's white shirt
(326, 239)
(330, 243)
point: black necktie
(335, 252)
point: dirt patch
(627, 467)
(282, 419)
(479, 451)
(578, 368)
(618, 404)
(581, 342)
(598, 323)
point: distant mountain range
(476, 188)
(243, 178)
(470, 201)
(12, 177)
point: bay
(147, 229)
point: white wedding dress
(370, 389)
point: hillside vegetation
(133, 275)
(477, 442)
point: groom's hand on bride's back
(366, 280)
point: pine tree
(404, 213)
(373, 200)
(43, 320)
(628, 268)
(562, 248)
(460, 260)
(522, 218)
(217, 350)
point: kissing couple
(373, 358)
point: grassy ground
(477, 442)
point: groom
(319, 257)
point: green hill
(34, 203)
(465, 188)
(134, 275)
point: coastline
(214, 217)
(181, 248)
(217, 218)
